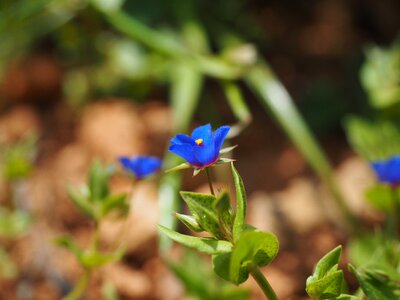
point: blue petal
(388, 171)
(141, 166)
(203, 132)
(219, 136)
(206, 155)
(186, 152)
(182, 139)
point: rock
(299, 204)
(139, 230)
(130, 283)
(354, 177)
(18, 123)
(112, 128)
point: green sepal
(202, 208)
(376, 284)
(240, 214)
(225, 160)
(206, 245)
(326, 282)
(98, 181)
(190, 222)
(115, 203)
(179, 167)
(81, 198)
(253, 248)
(227, 149)
(196, 171)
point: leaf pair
(94, 199)
(89, 258)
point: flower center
(199, 142)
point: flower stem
(209, 181)
(263, 283)
(80, 287)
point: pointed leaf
(90, 259)
(179, 167)
(190, 222)
(196, 171)
(227, 149)
(206, 245)
(114, 203)
(328, 287)
(239, 222)
(326, 263)
(98, 181)
(253, 248)
(67, 243)
(201, 207)
(224, 210)
(81, 200)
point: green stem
(209, 180)
(392, 222)
(80, 287)
(263, 283)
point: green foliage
(94, 199)
(327, 280)
(13, 223)
(381, 197)
(17, 159)
(200, 281)
(373, 140)
(380, 75)
(206, 245)
(240, 216)
(88, 258)
(7, 267)
(254, 248)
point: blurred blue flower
(140, 166)
(388, 171)
(202, 148)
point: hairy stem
(209, 180)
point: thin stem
(80, 287)
(263, 283)
(392, 219)
(209, 181)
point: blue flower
(140, 166)
(202, 148)
(388, 171)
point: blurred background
(81, 79)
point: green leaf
(221, 265)
(206, 245)
(376, 285)
(253, 248)
(202, 208)
(348, 297)
(327, 287)
(227, 149)
(240, 214)
(98, 181)
(326, 281)
(93, 259)
(381, 197)
(179, 167)
(13, 223)
(224, 211)
(114, 203)
(81, 199)
(67, 243)
(326, 263)
(190, 222)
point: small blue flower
(140, 166)
(388, 171)
(202, 148)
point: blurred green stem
(277, 100)
(392, 223)
(263, 283)
(80, 287)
